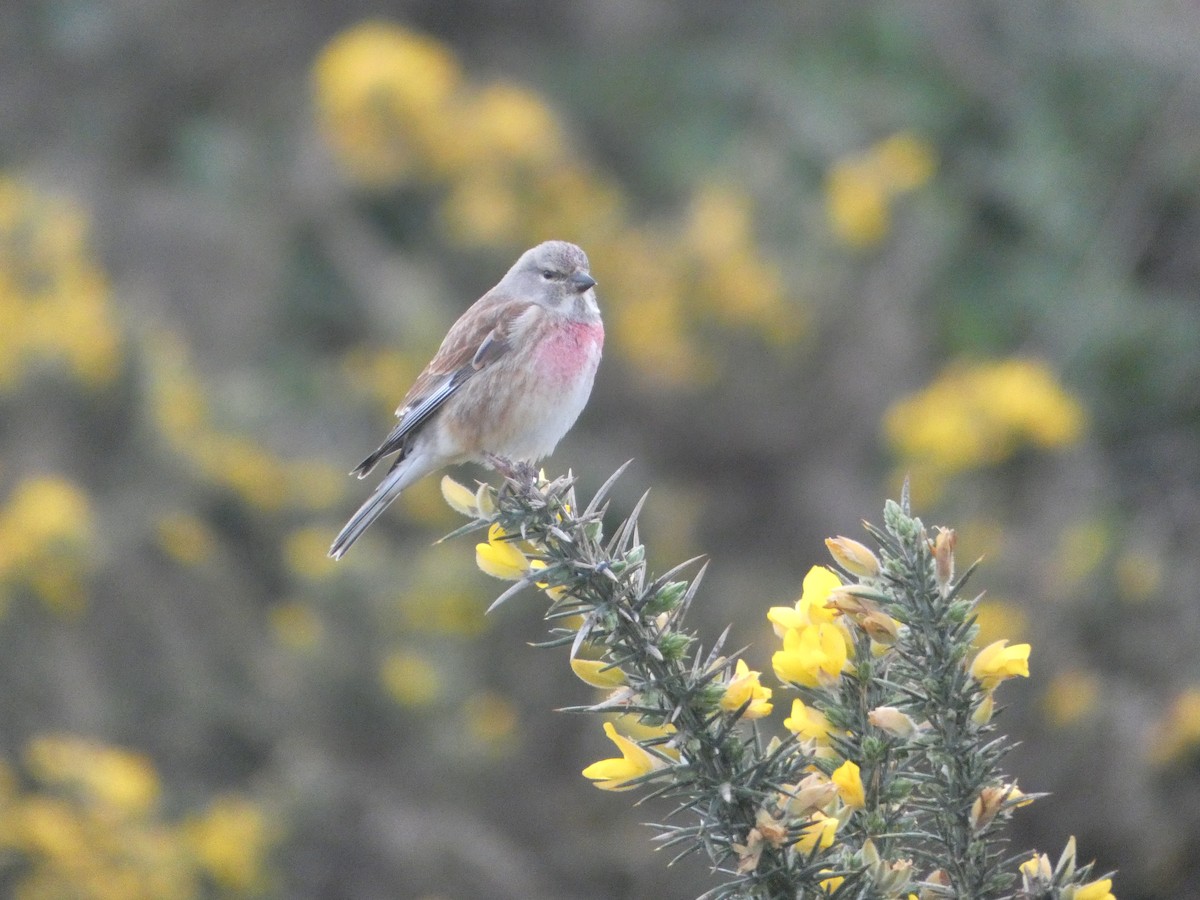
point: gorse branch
(888, 781)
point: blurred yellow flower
(491, 718)
(410, 678)
(55, 302)
(995, 618)
(395, 107)
(382, 94)
(506, 123)
(905, 161)
(89, 826)
(433, 609)
(856, 204)
(295, 625)
(185, 537)
(1177, 735)
(1082, 547)
(232, 840)
(46, 531)
(979, 415)
(123, 782)
(256, 476)
(482, 209)
(1070, 696)
(615, 774)
(860, 189)
(829, 885)
(1139, 575)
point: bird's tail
(400, 477)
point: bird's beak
(581, 281)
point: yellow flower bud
(856, 558)
(943, 555)
(893, 721)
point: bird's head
(555, 274)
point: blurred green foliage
(835, 243)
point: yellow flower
(818, 834)
(598, 673)
(1037, 868)
(997, 662)
(556, 592)
(829, 885)
(743, 686)
(1100, 889)
(807, 722)
(849, 783)
(614, 774)
(500, 558)
(813, 656)
(810, 609)
(631, 725)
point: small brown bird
(510, 379)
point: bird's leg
(502, 464)
(521, 471)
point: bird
(507, 383)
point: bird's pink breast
(570, 350)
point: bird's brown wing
(479, 338)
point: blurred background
(836, 243)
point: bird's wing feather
(479, 338)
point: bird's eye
(548, 274)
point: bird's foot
(517, 470)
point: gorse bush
(888, 782)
